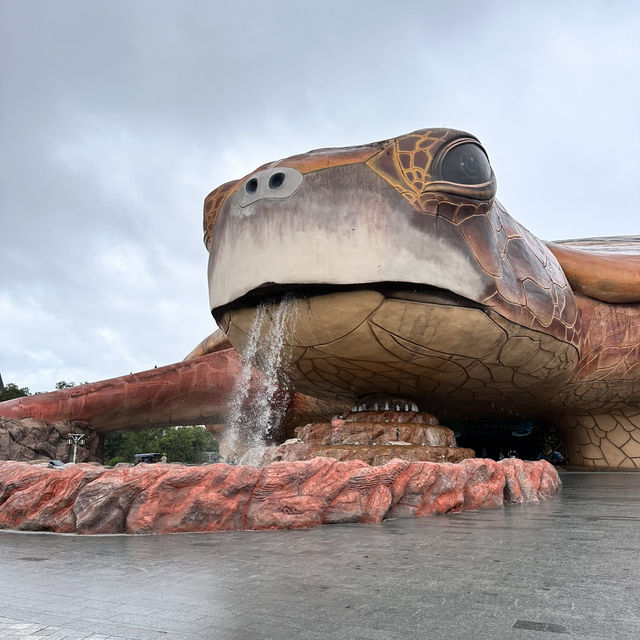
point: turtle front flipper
(217, 341)
(191, 392)
(195, 391)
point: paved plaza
(565, 568)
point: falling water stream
(252, 418)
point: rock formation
(376, 437)
(171, 498)
(33, 439)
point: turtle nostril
(276, 180)
(274, 183)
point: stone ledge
(178, 499)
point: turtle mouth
(271, 293)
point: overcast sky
(117, 118)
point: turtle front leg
(191, 392)
(196, 391)
(606, 441)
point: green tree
(63, 384)
(11, 391)
(181, 444)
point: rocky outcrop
(375, 437)
(31, 439)
(41, 499)
(374, 431)
(173, 498)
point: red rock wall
(173, 498)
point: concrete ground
(567, 567)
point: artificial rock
(32, 439)
(171, 498)
(375, 437)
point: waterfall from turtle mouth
(251, 420)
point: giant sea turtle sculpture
(414, 282)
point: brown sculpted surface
(375, 455)
(408, 163)
(611, 349)
(174, 498)
(217, 341)
(304, 162)
(601, 416)
(442, 352)
(187, 393)
(598, 273)
(376, 433)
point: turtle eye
(466, 163)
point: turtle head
(427, 167)
(402, 257)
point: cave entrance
(521, 438)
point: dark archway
(529, 439)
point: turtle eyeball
(251, 186)
(466, 163)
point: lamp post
(75, 439)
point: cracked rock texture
(171, 498)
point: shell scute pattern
(482, 241)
